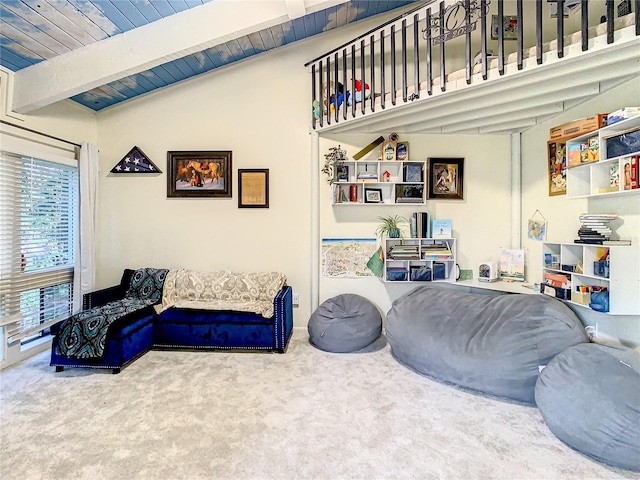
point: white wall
(260, 110)
(481, 222)
(562, 213)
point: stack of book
(594, 228)
(404, 252)
(436, 251)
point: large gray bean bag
(491, 344)
(589, 396)
(344, 323)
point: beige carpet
(306, 414)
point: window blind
(38, 218)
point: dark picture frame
(446, 178)
(557, 167)
(372, 195)
(253, 188)
(199, 174)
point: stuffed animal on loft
(316, 109)
(360, 94)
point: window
(38, 217)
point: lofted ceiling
(103, 52)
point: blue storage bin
(396, 275)
(439, 271)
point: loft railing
(361, 76)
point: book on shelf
(616, 242)
(614, 175)
(441, 228)
(422, 224)
(635, 161)
(591, 241)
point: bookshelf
(420, 260)
(573, 268)
(614, 144)
(379, 183)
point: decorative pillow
(491, 344)
(589, 396)
(147, 284)
(345, 323)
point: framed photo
(389, 150)
(509, 25)
(557, 167)
(409, 193)
(199, 174)
(372, 195)
(446, 178)
(253, 188)
(402, 151)
(413, 172)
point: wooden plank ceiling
(103, 52)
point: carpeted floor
(306, 414)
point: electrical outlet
(296, 299)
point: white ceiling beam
(145, 47)
(295, 8)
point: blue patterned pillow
(146, 284)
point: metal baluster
(328, 90)
(520, 32)
(353, 79)
(372, 71)
(416, 57)
(313, 96)
(636, 18)
(429, 55)
(321, 102)
(362, 79)
(443, 82)
(584, 6)
(500, 37)
(484, 11)
(382, 71)
(337, 93)
(467, 39)
(539, 31)
(344, 76)
(560, 28)
(404, 61)
(610, 18)
(393, 64)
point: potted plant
(332, 161)
(391, 227)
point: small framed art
(446, 178)
(199, 174)
(413, 172)
(372, 195)
(509, 25)
(253, 188)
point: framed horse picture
(199, 174)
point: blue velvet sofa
(136, 333)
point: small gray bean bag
(589, 396)
(490, 344)
(345, 323)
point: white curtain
(84, 277)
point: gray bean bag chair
(490, 344)
(345, 323)
(589, 396)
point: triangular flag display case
(135, 162)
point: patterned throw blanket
(222, 290)
(83, 335)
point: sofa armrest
(283, 317)
(101, 297)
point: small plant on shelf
(332, 161)
(391, 227)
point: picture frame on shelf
(389, 149)
(557, 167)
(409, 193)
(372, 195)
(253, 188)
(342, 173)
(412, 172)
(199, 173)
(402, 151)
(509, 27)
(446, 178)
